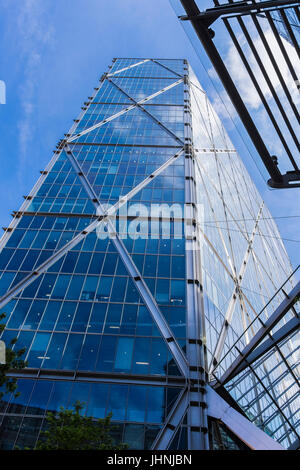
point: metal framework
(237, 13)
(256, 347)
(197, 400)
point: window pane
(137, 404)
(124, 354)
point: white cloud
(34, 35)
(250, 95)
(242, 79)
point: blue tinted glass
(117, 401)
(89, 353)
(141, 358)
(69, 263)
(137, 404)
(178, 292)
(158, 362)
(35, 314)
(156, 405)
(104, 288)
(144, 322)
(162, 291)
(50, 316)
(24, 341)
(16, 260)
(61, 286)
(80, 392)
(110, 264)
(134, 436)
(106, 356)
(46, 286)
(129, 317)
(178, 266)
(39, 397)
(97, 318)
(118, 290)
(59, 396)
(5, 256)
(55, 350)
(19, 403)
(30, 260)
(132, 293)
(71, 353)
(96, 263)
(75, 288)
(39, 241)
(66, 316)
(25, 221)
(83, 263)
(98, 401)
(38, 349)
(124, 354)
(89, 288)
(82, 317)
(28, 239)
(20, 313)
(6, 280)
(15, 238)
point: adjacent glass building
(142, 255)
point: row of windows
(138, 90)
(147, 69)
(48, 240)
(108, 93)
(98, 112)
(126, 169)
(112, 194)
(132, 166)
(19, 432)
(144, 87)
(162, 239)
(131, 129)
(117, 154)
(113, 318)
(52, 223)
(105, 288)
(89, 260)
(101, 353)
(126, 402)
(69, 206)
(150, 265)
(160, 236)
(107, 183)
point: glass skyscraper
(137, 266)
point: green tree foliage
(13, 362)
(69, 430)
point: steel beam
(138, 280)
(195, 348)
(139, 105)
(295, 445)
(212, 14)
(172, 423)
(205, 36)
(95, 377)
(237, 293)
(269, 324)
(123, 111)
(290, 327)
(201, 22)
(251, 435)
(129, 67)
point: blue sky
(52, 54)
